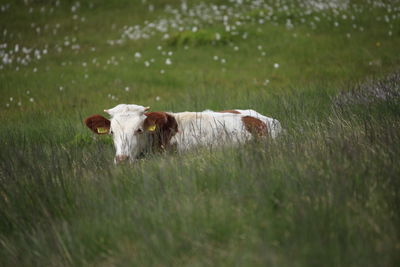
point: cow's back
(209, 128)
(274, 125)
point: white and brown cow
(134, 129)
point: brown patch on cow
(165, 128)
(255, 126)
(98, 124)
(230, 111)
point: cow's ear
(98, 124)
(154, 120)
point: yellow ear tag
(102, 130)
(151, 128)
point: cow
(134, 129)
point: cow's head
(131, 129)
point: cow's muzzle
(121, 159)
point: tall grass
(324, 193)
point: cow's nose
(121, 158)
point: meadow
(325, 193)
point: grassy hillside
(326, 193)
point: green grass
(326, 193)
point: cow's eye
(111, 132)
(139, 131)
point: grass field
(325, 193)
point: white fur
(274, 126)
(208, 128)
(125, 108)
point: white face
(127, 130)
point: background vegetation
(326, 193)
